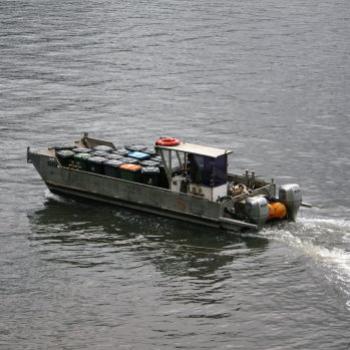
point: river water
(268, 79)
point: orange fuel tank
(277, 210)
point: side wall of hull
(125, 193)
(134, 206)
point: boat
(175, 179)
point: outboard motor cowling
(290, 195)
(257, 210)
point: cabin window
(220, 170)
(208, 171)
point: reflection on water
(91, 234)
(113, 265)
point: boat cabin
(194, 169)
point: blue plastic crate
(139, 155)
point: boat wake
(49, 196)
(325, 241)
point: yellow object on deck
(277, 210)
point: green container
(65, 157)
(95, 164)
(81, 160)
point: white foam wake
(326, 241)
(51, 196)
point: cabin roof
(197, 149)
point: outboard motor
(257, 210)
(290, 196)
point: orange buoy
(167, 141)
(277, 210)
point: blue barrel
(139, 155)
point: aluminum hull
(133, 195)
